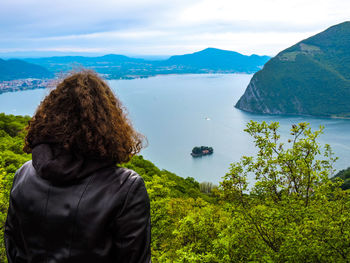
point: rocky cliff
(311, 77)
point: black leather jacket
(64, 208)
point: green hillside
(312, 78)
(293, 212)
(18, 69)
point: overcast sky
(163, 27)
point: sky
(161, 27)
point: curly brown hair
(83, 116)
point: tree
(207, 187)
(197, 150)
(293, 212)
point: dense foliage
(11, 158)
(291, 213)
(295, 212)
(344, 175)
(311, 77)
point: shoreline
(17, 89)
(294, 115)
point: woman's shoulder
(130, 174)
(25, 169)
(27, 166)
(117, 172)
(118, 177)
(112, 175)
(123, 187)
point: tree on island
(202, 150)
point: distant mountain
(64, 63)
(18, 69)
(210, 60)
(311, 77)
(219, 60)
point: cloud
(163, 27)
(49, 18)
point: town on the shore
(24, 84)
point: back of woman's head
(83, 116)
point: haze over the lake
(156, 27)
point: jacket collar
(60, 166)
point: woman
(71, 203)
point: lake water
(178, 112)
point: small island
(202, 150)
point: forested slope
(344, 175)
(293, 213)
(311, 77)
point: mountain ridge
(311, 77)
(114, 66)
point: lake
(178, 112)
